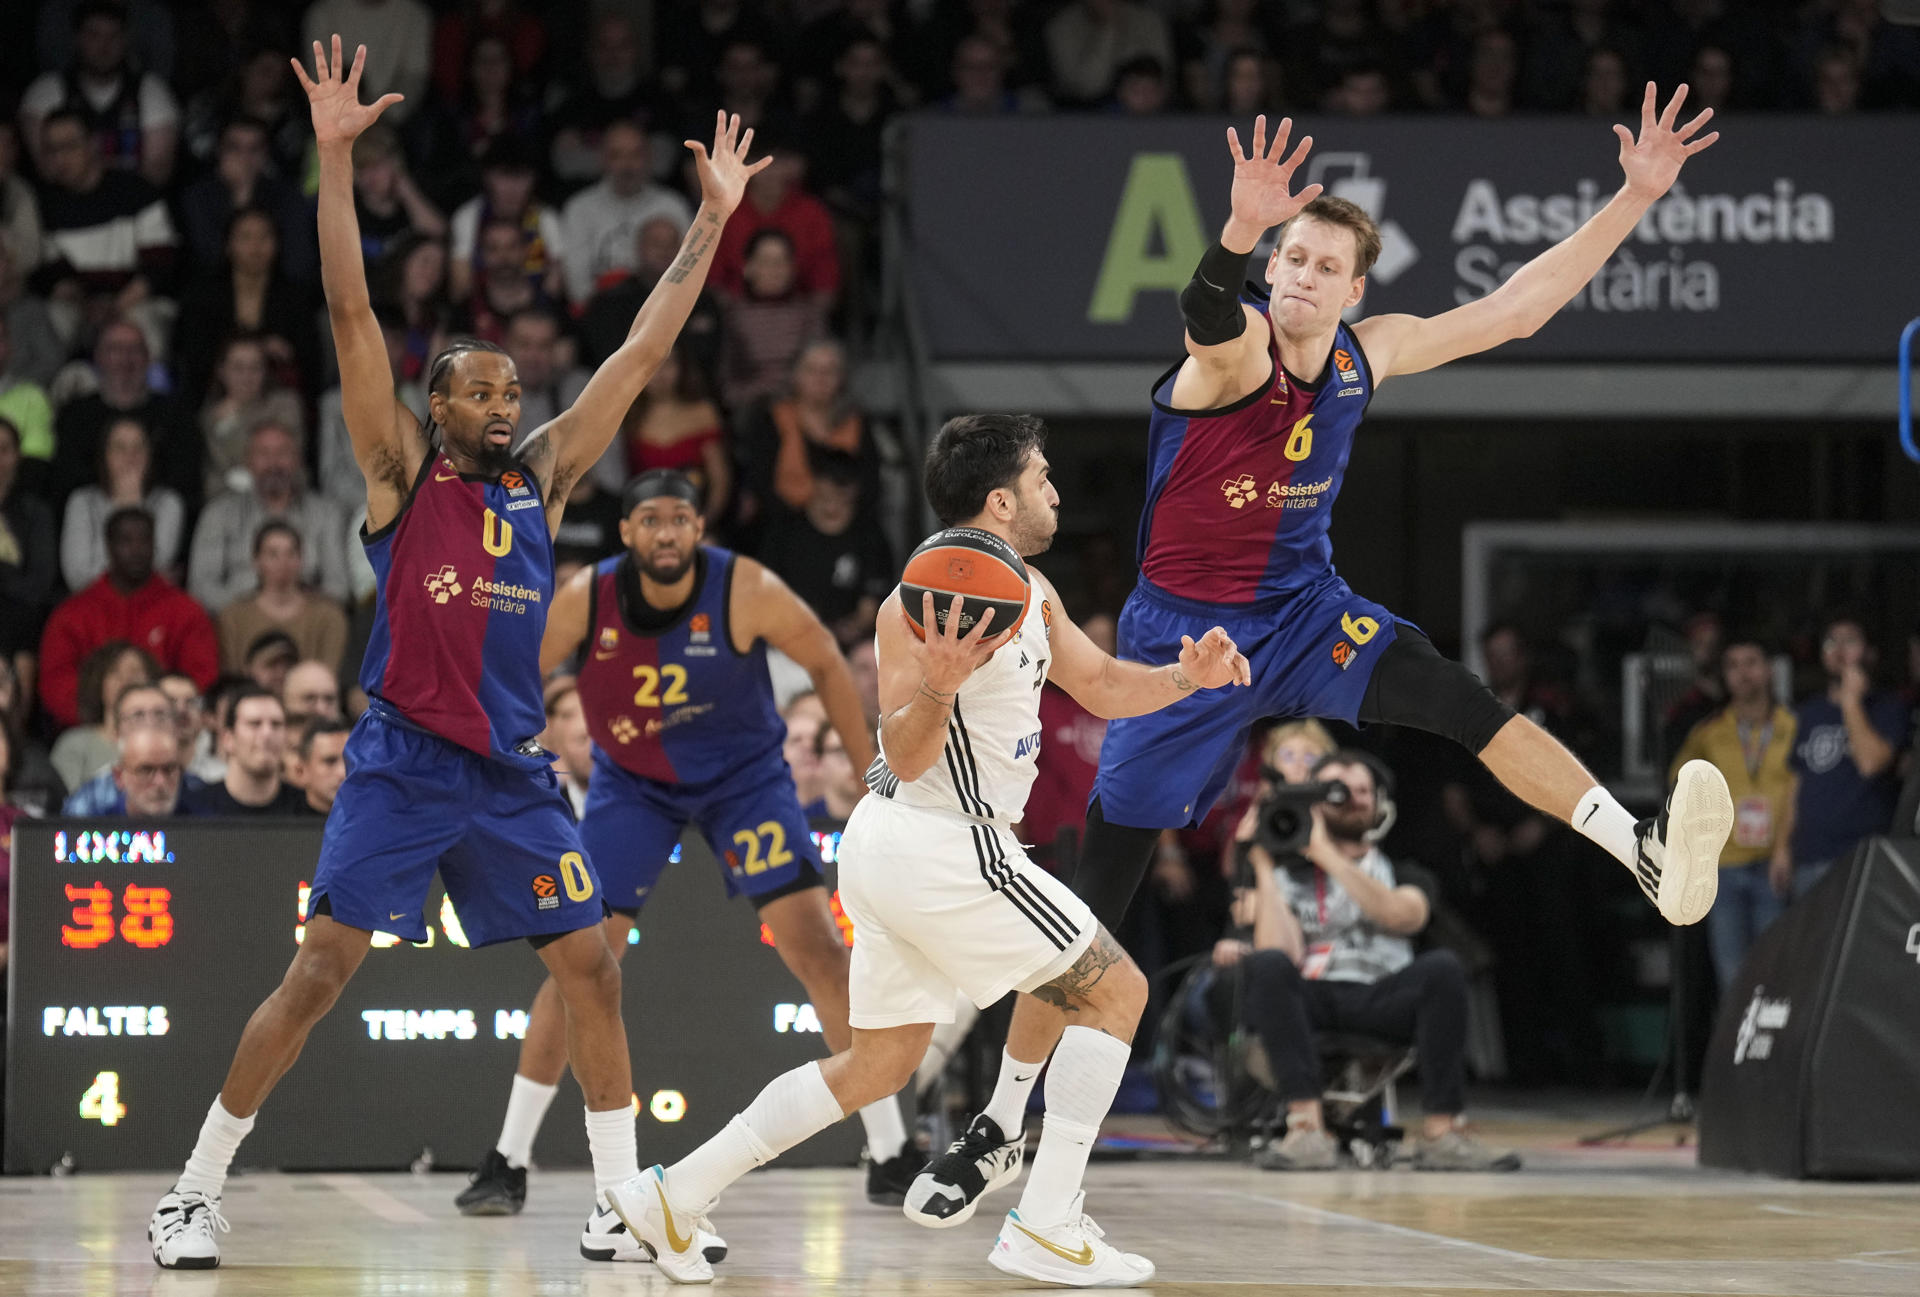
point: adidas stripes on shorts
(942, 902)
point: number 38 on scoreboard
(147, 923)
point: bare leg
(543, 1054)
(1537, 768)
(328, 957)
(587, 978)
(809, 942)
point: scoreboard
(140, 949)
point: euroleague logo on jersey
(1344, 366)
(547, 890)
(1343, 654)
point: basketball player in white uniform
(943, 898)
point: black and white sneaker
(1678, 861)
(181, 1231)
(496, 1189)
(950, 1187)
(887, 1181)
(606, 1238)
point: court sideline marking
(375, 1199)
(1342, 1218)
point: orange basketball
(977, 565)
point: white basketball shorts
(941, 902)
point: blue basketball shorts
(750, 816)
(1312, 654)
(502, 837)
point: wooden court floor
(1640, 1219)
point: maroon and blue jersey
(464, 578)
(1239, 497)
(677, 705)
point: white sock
(1086, 1073)
(947, 1038)
(1008, 1107)
(793, 1106)
(220, 1136)
(886, 1129)
(610, 1139)
(1606, 823)
(526, 1109)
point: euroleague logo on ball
(960, 569)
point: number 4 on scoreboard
(101, 1102)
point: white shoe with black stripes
(1678, 860)
(949, 1188)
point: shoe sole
(1699, 818)
(1003, 1262)
(965, 1213)
(189, 1263)
(594, 1252)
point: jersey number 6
(1300, 440)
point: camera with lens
(1285, 815)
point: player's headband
(658, 482)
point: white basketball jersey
(993, 733)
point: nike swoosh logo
(445, 477)
(1589, 815)
(1024, 1079)
(392, 915)
(681, 1244)
(601, 655)
(1208, 282)
(1083, 1257)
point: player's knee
(1414, 686)
(314, 981)
(588, 975)
(1121, 995)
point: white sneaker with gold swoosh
(1073, 1252)
(669, 1231)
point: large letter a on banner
(1157, 201)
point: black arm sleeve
(1210, 303)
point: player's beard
(665, 573)
(1348, 823)
(1034, 527)
(488, 459)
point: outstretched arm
(566, 447)
(1110, 688)
(763, 607)
(1407, 344)
(386, 440)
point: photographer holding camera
(1331, 950)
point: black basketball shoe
(496, 1189)
(946, 1192)
(887, 1181)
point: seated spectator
(820, 44)
(863, 664)
(501, 290)
(248, 295)
(28, 552)
(110, 245)
(547, 387)
(841, 571)
(1707, 692)
(979, 71)
(129, 602)
(491, 112)
(80, 428)
(269, 660)
(242, 397)
(115, 674)
(149, 33)
(398, 35)
(1603, 83)
(220, 568)
(1749, 741)
(777, 200)
(1361, 91)
(693, 43)
(36, 350)
(259, 87)
(148, 774)
(1088, 41)
(1846, 760)
(24, 406)
(95, 790)
(126, 481)
(841, 786)
(675, 424)
(30, 782)
(609, 316)
(1331, 948)
(602, 222)
(456, 35)
(806, 717)
(1140, 87)
(845, 133)
(1711, 81)
(133, 115)
(322, 763)
(386, 200)
(589, 531)
(316, 625)
(567, 738)
(311, 692)
(764, 328)
(747, 83)
(506, 199)
(340, 476)
(817, 414)
(189, 722)
(614, 91)
(1836, 82)
(413, 298)
(241, 179)
(252, 740)
(1493, 68)
(19, 210)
